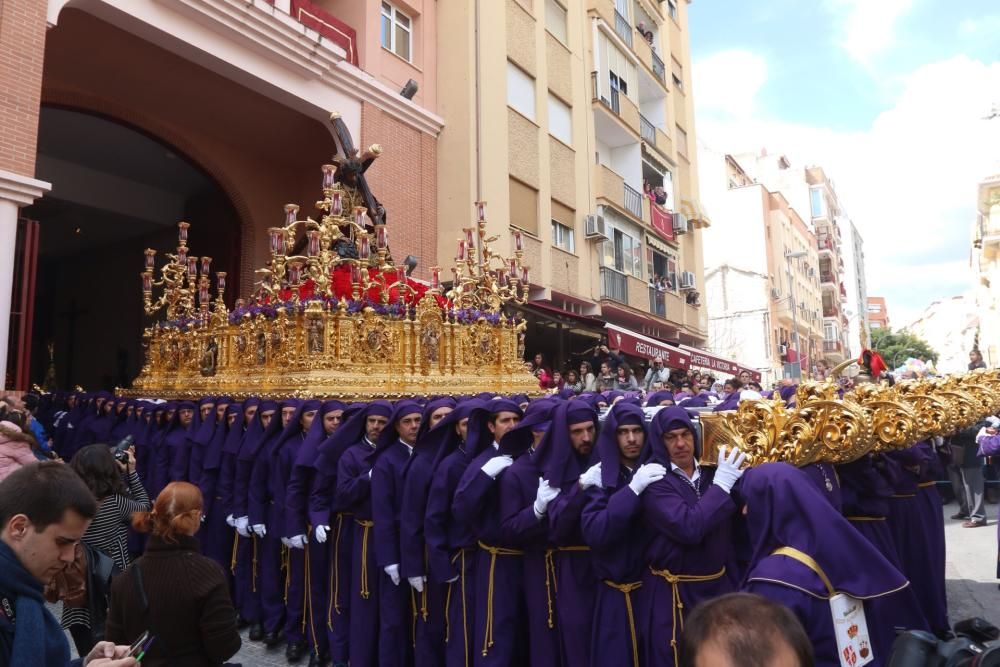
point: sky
(888, 96)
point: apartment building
(557, 114)
(878, 314)
(858, 332)
(762, 273)
(211, 111)
(985, 261)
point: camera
(975, 644)
(120, 451)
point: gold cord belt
(865, 518)
(493, 552)
(307, 606)
(334, 605)
(626, 590)
(677, 606)
(253, 541)
(367, 525)
(236, 542)
(924, 485)
(903, 495)
(447, 606)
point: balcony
(825, 244)
(623, 29)
(827, 278)
(659, 69)
(646, 130)
(830, 310)
(323, 22)
(832, 346)
(633, 201)
(616, 118)
(614, 285)
(657, 302)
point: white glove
(646, 475)
(544, 496)
(370, 472)
(393, 572)
(242, 526)
(729, 468)
(417, 583)
(260, 529)
(591, 478)
(452, 580)
(496, 464)
(284, 540)
(231, 520)
(321, 533)
(297, 542)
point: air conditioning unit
(596, 228)
(782, 349)
(687, 280)
(680, 223)
(775, 293)
(812, 272)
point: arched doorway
(116, 190)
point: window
(621, 6)
(562, 237)
(876, 325)
(682, 141)
(816, 202)
(555, 20)
(624, 253)
(622, 72)
(661, 269)
(560, 120)
(672, 9)
(874, 308)
(523, 206)
(830, 332)
(677, 74)
(520, 91)
(397, 29)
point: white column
(15, 191)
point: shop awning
(712, 362)
(637, 345)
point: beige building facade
(985, 260)
(557, 115)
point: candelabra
(186, 283)
(476, 283)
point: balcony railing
(830, 311)
(615, 103)
(614, 285)
(825, 243)
(623, 29)
(633, 201)
(827, 277)
(659, 69)
(657, 302)
(647, 130)
(832, 346)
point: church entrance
(115, 191)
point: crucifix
(351, 170)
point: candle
(355, 274)
(513, 268)
(182, 254)
(329, 171)
(147, 282)
(468, 239)
(337, 204)
(524, 275)
(359, 216)
(182, 231)
(364, 248)
(221, 280)
(203, 291)
(461, 251)
(294, 273)
(150, 258)
(206, 263)
(435, 277)
(481, 211)
(518, 242)
(502, 277)
(313, 235)
(291, 213)
(381, 237)
(401, 274)
(192, 267)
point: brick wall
(22, 51)
(404, 179)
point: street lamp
(789, 256)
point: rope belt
(903, 495)
(865, 518)
(307, 606)
(626, 590)
(236, 542)
(809, 562)
(924, 485)
(367, 525)
(550, 566)
(460, 554)
(287, 565)
(253, 541)
(677, 606)
(493, 552)
(334, 605)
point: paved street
(971, 572)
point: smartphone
(137, 645)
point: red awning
(703, 359)
(637, 345)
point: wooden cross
(352, 170)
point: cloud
(728, 81)
(908, 182)
(868, 27)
